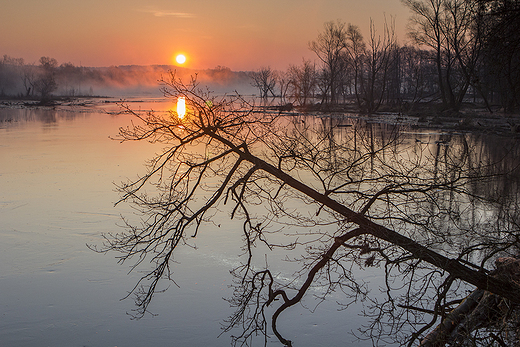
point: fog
(18, 79)
(146, 80)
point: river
(57, 173)
(58, 167)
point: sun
(180, 59)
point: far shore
(470, 118)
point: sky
(239, 34)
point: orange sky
(239, 34)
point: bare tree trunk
(479, 309)
(506, 289)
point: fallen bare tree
(358, 198)
(481, 309)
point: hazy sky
(239, 34)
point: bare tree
(9, 71)
(265, 80)
(500, 70)
(377, 63)
(302, 82)
(329, 47)
(28, 79)
(448, 27)
(45, 84)
(355, 56)
(284, 80)
(417, 75)
(350, 200)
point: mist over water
(146, 80)
(120, 81)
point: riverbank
(471, 117)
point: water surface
(57, 174)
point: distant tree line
(47, 77)
(40, 80)
(461, 50)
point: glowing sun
(180, 59)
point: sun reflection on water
(181, 107)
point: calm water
(57, 174)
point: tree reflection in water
(433, 212)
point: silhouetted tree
(417, 75)
(501, 67)
(379, 54)
(29, 79)
(302, 82)
(355, 60)
(70, 77)
(329, 47)
(9, 74)
(346, 200)
(283, 80)
(45, 84)
(265, 80)
(447, 27)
